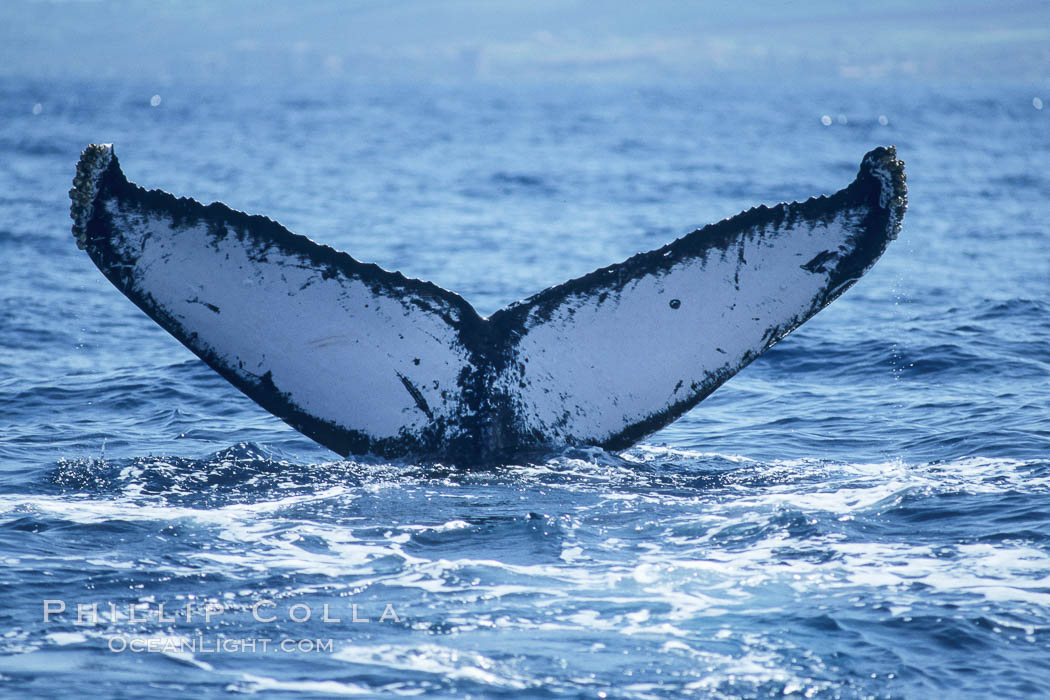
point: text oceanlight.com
(225, 645)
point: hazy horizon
(466, 40)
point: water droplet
(1037, 103)
(38, 108)
(825, 120)
(154, 101)
(883, 120)
(675, 303)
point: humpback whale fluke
(364, 360)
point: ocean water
(863, 512)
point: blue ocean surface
(862, 512)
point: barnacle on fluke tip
(93, 162)
(364, 360)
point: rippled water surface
(864, 511)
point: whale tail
(364, 360)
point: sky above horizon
(470, 40)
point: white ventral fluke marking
(364, 360)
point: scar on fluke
(817, 263)
(327, 343)
(210, 307)
(417, 396)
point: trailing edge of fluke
(364, 360)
